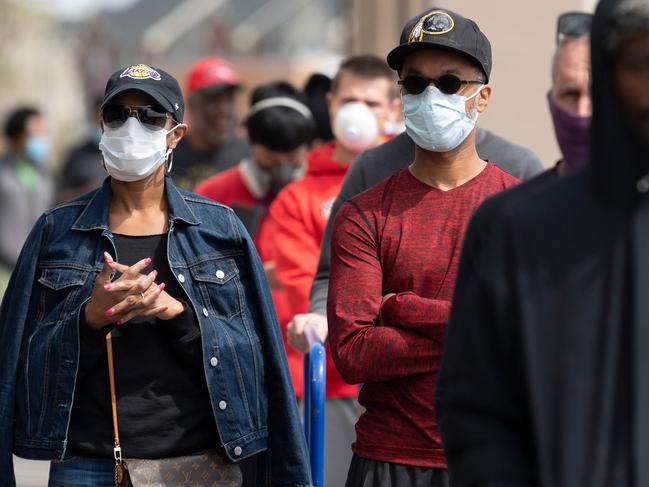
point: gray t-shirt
(376, 164)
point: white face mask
(438, 122)
(133, 152)
(355, 126)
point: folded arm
(362, 350)
(425, 316)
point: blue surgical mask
(438, 122)
(38, 149)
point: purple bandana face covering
(572, 133)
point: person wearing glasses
(570, 98)
(395, 250)
(544, 377)
(373, 166)
(174, 280)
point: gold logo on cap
(434, 23)
(140, 71)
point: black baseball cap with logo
(153, 81)
(439, 28)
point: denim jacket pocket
(59, 293)
(220, 286)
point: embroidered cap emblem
(141, 71)
(434, 23)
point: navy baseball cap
(439, 28)
(155, 82)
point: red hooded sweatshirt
(299, 216)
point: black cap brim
(145, 88)
(398, 55)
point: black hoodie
(549, 331)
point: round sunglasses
(448, 84)
(151, 117)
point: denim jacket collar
(95, 215)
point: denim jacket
(215, 262)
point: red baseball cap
(212, 73)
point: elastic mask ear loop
(103, 163)
(169, 162)
(475, 119)
(176, 126)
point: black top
(529, 390)
(192, 167)
(163, 404)
(83, 168)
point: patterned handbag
(209, 469)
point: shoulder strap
(113, 397)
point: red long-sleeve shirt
(401, 236)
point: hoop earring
(169, 162)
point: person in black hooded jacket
(542, 381)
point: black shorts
(371, 473)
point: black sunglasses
(573, 24)
(448, 84)
(152, 117)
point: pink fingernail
(162, 286)
(155, 273)
(165, 309)
(108, 258)
(107, 287)
(109, 312)
(147, 261)
(119, 322)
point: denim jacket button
(181, 278)
(220, 274)
(238, 451)
(214, 361)
(223, 405)
(205, 312)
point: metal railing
(314, 405)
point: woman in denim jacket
(175, 279)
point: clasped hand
(132, 294)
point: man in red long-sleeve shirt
(396, 248)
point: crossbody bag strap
(117, 451)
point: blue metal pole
(317, 386)
(307, 399)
